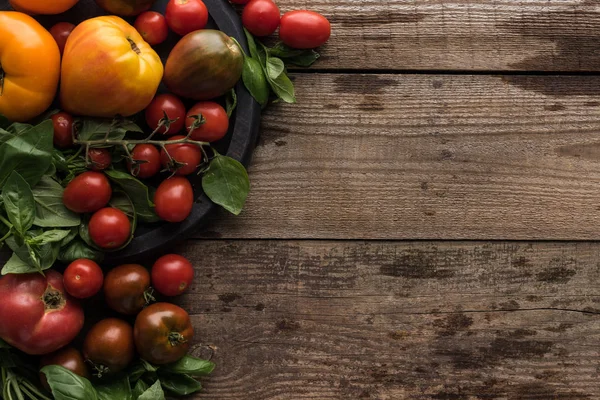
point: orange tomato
(108, 69)
(29, 67)
(42, 6)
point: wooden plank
(428, 157)
(385, 320)
(560, 35)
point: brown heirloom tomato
(29, 67)
(69, 358)
(108, 69)
(162, 333)
(125, 288)
(109, 346)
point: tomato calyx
(176, 339)
(149, 296)
(99, 369)
(53, 299)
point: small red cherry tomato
(83, 278)
(63, 130)
(304, 29)
(185, 157)
(152, 26)
(87, 192)
(109, 228)
(100, 159)
(174, 199)
(261, 17)
(172, 106)
(216, 121)
(148, 161)
(172, 274)
(61, 32)
(185, 16)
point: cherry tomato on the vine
(61, 32)
(100, 159)
(172, 274)
(109, 346)
(185, 157)
(152, 26)
(87, 192)
(216, 121)
(67, 357)
(304, 29)
(83, 278)
(185, 16)
(63, 129)
(261, 17)
(174, 199)
(147, 159)
(109, 228)
(126, 288)
(172, 106)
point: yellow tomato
(42, 6)
(29, 67)
(108, 69)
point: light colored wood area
(429, 157)
(384, 320)
(561, 35)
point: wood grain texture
(427, 157)
(560, 35)
(385, 320)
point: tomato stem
(176, 338)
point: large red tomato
(37, 315)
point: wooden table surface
(423, 223)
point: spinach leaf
(54, 235)
(191, 366)
(154, 392)
(226, 183)
(78, 249)
(137, 192)
(301, 58)
(181, 385)
(29, 154)
(66, 385)
(50, 211)
(139, 388)
(116, 390)
(18, 202)
(255, 81)
(15, 265)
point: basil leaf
(181, 385)
(98, 129)
(117, 390)
(78, 249)
(279, 81)
(251, 44)
(69, 238)
(47, 254)
(230, 102)
(50, 211)
(147, 366)
(5, 136)
(139, 388)
(226, 183)
(255, 81)
(29, 154)
(17, 129)
(3, 344)
(301, 58)
(55, 235)
(66, 385)
(18, 202)
(275, 67)
(15, 265)
(136, 371)
(137, 192)
(4, 122)
(191, 366)
(154, 392)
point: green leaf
(251, 44)
(136, 371)
(181, 385)
(255, 81)
(154, 392)
(230, 102)
(137, 192)
(29, 154)
(78, 249)
(226, 183)
(5, 136)
(301, 58)
(139, 388)
(66, 385)
(275, 67)
(147, 366)
(15, 265)
(18, 202)
(191, 366)
(50, 211)
(279, 81)
(6, 360)
(4, 122)
(3, 344)
(55, 235)
(17, 129)
(98, 129)
(69, 238)
(117, 390)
